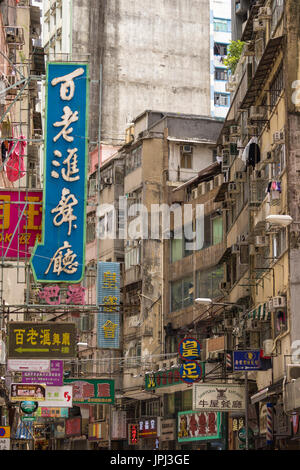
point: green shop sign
(92, 391)
(166, 378)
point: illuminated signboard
(189, 348)
(22, 211)
(61, 256)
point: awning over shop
(260, 313)
(24, 430)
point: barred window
(276, 86)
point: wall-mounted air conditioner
(278, 137)
(194, 193)
(267, 347)
(259, 24)
(257, 112)
(186, 149)
(278, 302)
(292, 372)
(261, 241)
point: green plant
(235, 49)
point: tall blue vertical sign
(60, 257)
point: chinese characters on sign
(51, 295)
(20, 392)
(108, 322)
(190, 371)
(12, 204)
(162, 379)
(196, 426)
(42, 340)
(62, 258)
(54, 378)
(133, 434)
(148, 427)
(246, 360)
(98, 391)
(218, 397)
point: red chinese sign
(133, 434)
(20, 222)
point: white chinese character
(68, 85)
(64, 210)
(67, 118)
(63, 263)
(71, 162)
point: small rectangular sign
(54, 378)
(23, 392)
(19, 365)
(246, 360)
(58, 397)
(218, 397)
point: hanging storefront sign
(57, 397)
(61, 255)
(54, 378)
(168, 430)
(119, 425)
(73, 426)
(190, 372)
(189, 349)
(218, 397)
(21, 222)
(246, 360)
(52, 412)
(4, 432)
(54, 295)
(29, 407)
(197, 426)
(21, 392)
(161, 379)
(92, 391)
(149, 427)
(20, 365)
(52, 340)
(108, 297)
(133, 434)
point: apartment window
(208, 282)
(277, 10)
(90, 228)
(222, 99)
(279, 243)
(132, 257)
(176, 249)
(221, 74)
(222, 25)
(186, 160)
(150, 408)
(279, 166)
(280, 321)
(217, 230)
(276, 86)
(220, 49)
(133, 160)
(182, 293)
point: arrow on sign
(21, 350)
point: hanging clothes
(4, 151)
(15, 167)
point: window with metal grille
(276, 86)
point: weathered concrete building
(145, 52)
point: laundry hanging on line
(15, 167)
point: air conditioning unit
(278, 137)
(257, 112)
(259, 24)
(235, 131)
(107, 180)
(240, 176)
(86, 323)
(291, 396)
(201, 189)
(261, 241)
(292, 372)
(186, 148)
(249, 49)
(264, 13)
(278, 302)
